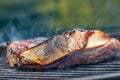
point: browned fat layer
(55, 47)
(41, 56)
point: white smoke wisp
(12, 33)
(25, 23)
(1, 37)
(42, 27)
(27, 30)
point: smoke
(24, 27)
(21, 21)
(1, 36)
(10, 33)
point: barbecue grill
(109, 69)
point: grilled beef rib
(68, 48)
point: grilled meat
(68, 48)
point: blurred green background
(22, 19)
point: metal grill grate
(78, 71)
(105, 70)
